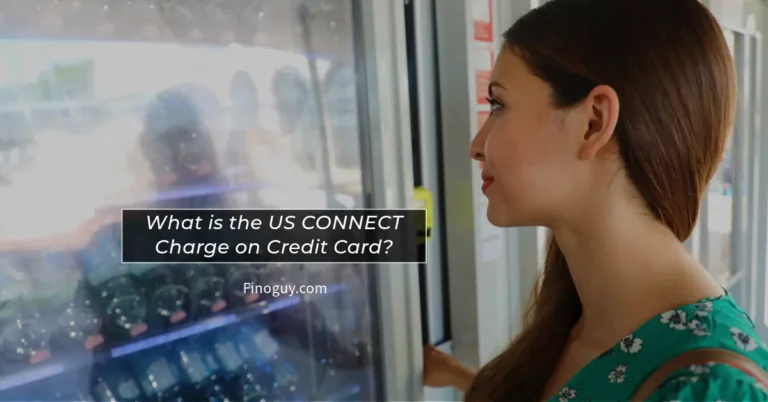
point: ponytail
(521, 372)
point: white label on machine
(481, 11)
(483, 60)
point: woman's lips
(487, 183)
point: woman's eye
(495, 105)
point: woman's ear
(602, 114)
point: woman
(609, 118)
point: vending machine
(111, 104)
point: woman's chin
(496, 216)
(504, 217)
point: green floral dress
(711, 323)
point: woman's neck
(628, 267)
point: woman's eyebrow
(492, 85)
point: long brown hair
(669, 64)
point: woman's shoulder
(711, 323)
(710, 382)
(716, 322)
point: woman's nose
(476, 148)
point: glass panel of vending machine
(106, 104)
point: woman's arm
(463, 377)
(443, 370)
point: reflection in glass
(341, 97)
(64, 303)
(174, 104)
(178, 145)
(23, 335)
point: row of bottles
(243, 363)
(70, 301)
(56, 306)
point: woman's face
(532, 152)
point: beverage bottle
(257, 385)
(119, 298)
(166, 295)
(207, 288)
(276, 280)
(158, 377)
(206, 379)
(246, 381)
(24, 339)
(258, 346)
(64, 302)
(167, 298)
(237, 276)
(114, 382)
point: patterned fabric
(711, 323)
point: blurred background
(107, 104)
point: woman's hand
(443, 370)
